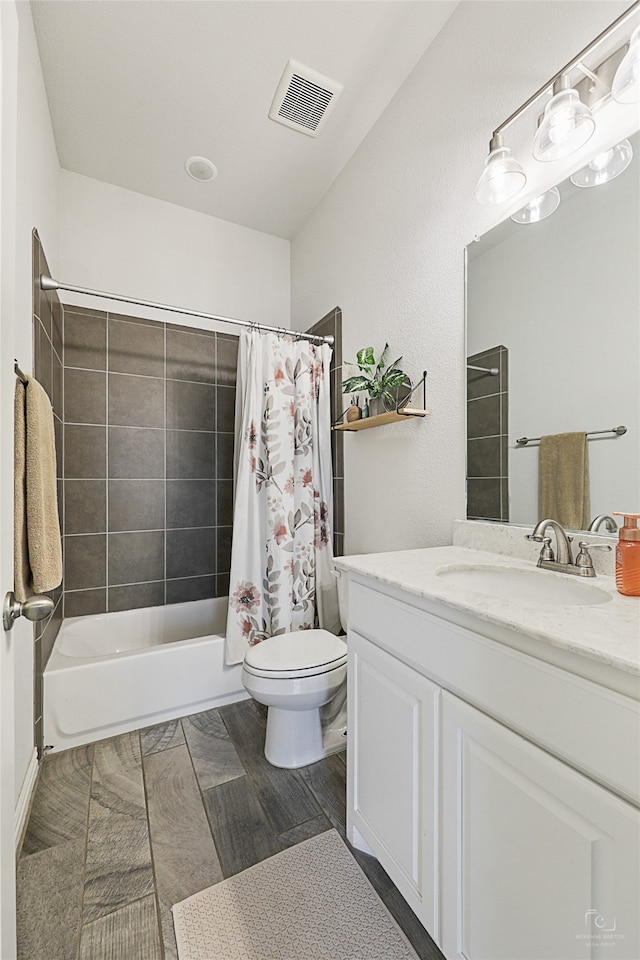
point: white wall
(122, 242)
(36, 206)
(386, 243)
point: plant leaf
(393, 378)
(383, 357)
(352, 384)
(394, 364)
(365, 357)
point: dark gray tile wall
(487, 437)
(48, 370)
(148, 461)
(331, 324)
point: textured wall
(386, 242)
(123, 242)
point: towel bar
(523, 441)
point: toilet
(301, 677)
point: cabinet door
(538, 862)
(391, 770)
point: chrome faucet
(563, 544)
(609, 522)
(583, 566)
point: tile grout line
(164, 438)
(146, 376)
(201, 790)
(63, 461)
(129, 426)
(86, 850)
(215, 461)
(106, 498)
(102, 533)
(255, 788)
(153, 862)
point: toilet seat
(300, 653)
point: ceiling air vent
(304, 99)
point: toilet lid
(298, 650)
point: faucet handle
(586, 546)
(546, 553)
(584, 559)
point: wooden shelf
(380, 419)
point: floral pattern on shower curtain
(281, 557)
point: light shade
(626, 83)
(540, 208)
(566, 126)
(605, 166)
(502, 177)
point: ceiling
(135, 87)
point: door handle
(38, 607)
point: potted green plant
(377, 378)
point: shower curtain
(281, 555)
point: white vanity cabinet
(535, 858)
(393, 715)
(499, 792)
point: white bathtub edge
(69, 741)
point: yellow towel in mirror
(564, 479)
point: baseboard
(23, 806)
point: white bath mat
(310, 902)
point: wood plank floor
(124, 828)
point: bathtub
(116, 672)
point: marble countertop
(608, 632)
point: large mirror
(553, 321)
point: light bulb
(540, 208)
(601, 161)
(626, 83)
(562, 124)
(566, 126)
(605, 166)
(502, 177)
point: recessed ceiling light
(200, 169)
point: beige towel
(564, 480)
(38, 548)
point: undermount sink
(527, 586)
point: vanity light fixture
(605, 167)
(540, 208)
(502, 177)
(626, 83)
(566, 126)
(568, 122)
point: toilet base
(294, 737)
(297, 738)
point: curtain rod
(48, 283)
